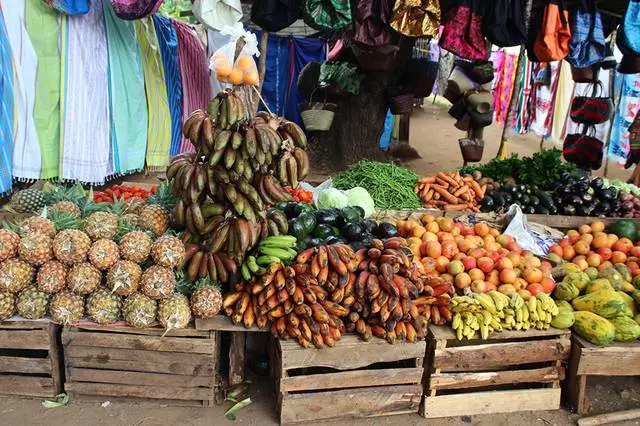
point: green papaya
(624, 271)
(626, 329)
(593, 328)
(566, 291)
(606, 303)
(613, 276)
(630, 305)
(563, 320)
(637, 319)
(563, 304)
(578, 279)
(591, 272)
(636, 282)
(599, 284)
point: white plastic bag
(243, 70)
(217, 14)
(524, 235)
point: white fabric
(26, 148)
(86, 150)
(217, 14)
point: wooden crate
(30, 359)
(352, 379)
(111, 361)
(512, 371)
(616, 359)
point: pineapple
(7, 305)
(15, 275)
(52, 277)
(139, 310)
(66, 307)
(37, 224)
(101, 225)
(83, 278)
(133, 205)
(157, 282)
(206, 300)
(9, 242)
(135, 246)
(32, 303)
(130, 220)
(68, 208)
(63, 200)
(174, 311)
(35, 249)
(168, 251)
(103, 254)
(103, 306)
(154, 218)
(27, 201)
(124, 277)
(71, 246)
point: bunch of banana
(292, 167)
(288, 130)
(226, 109)
(201, 263)
(270, 189)
(276, 222)
(272, 249)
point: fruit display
(451, 192)
(124, 192)
(630, 204)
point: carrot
(484, 190)
(447, 179)
(467, 179)
(460, 191)
(442, 182)
(446, 196)
(455, 207)
(429, 195)
(476, 188)
(431, 179)
(424, 190)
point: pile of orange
(244, 70)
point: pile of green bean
(390, 186)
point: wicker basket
(381, 59)
(317, 119)
(401, 104)
(422, 76)
(471, 149)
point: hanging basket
(422, 76)
(401, 104)
(318, 116)
(471, 149)
(379, 59)
(585, 75)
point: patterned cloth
(43, 28)
(86, 139)
(128, 103)
(168, 41)
(521, 119)
(135, 9)
(505, 72)
(196, 87)
(628, 107)
(327, 15)
(416, 18)
(543, 101)
(6, 109)
(159, 126)
(69, 7)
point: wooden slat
(135, 378)
(149, 343)
(348, 353)
(600, 361)
(352, 379)
(469, 404)
(442, 381)
(491, 355)
(567, 222)
(169, 367)
(237, 358)
(27, 386)
(28, 339)
(136, 391)
(55, 356)
(223, 323)
(24, 324)
(14, 364)
(178, 332)
(446, 333)
(365, 402)
(92, 353)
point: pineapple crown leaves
(54, 193)
(125, 227)
(88, 206)
(184, 285)
(206, 282)
(64, 221)
(163, 196)
(10, 225)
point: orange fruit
(245, 62)
(584, 229)
(597, 226)
(223, 70)
(235, 77)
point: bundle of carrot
(450, 192)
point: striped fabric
(196, 86)
(159, 125)
(86, 141)
(327, 15)
(6, 109)
(128, 103)
(43, 28)
(168, 41)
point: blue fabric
(629, 32)
(168, 41)
(6, 109)
(385, 138)
(70, 7)
(586, 47)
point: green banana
(267, 260)
(244, 269)
(251, 263)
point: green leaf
(230, 414)
(61, 400)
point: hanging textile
(628, 107)
(520, 124)
(86, 139)
(196, 87)
(505, 66)
(26, 150)
(6, 109)
(128, 104)
(542, 100)
(562, 104)
(585, 89)
(43, 28)
(159, 126)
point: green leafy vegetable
(332, 197)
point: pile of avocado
(314, 227)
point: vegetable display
(116, 192)
(451, 192)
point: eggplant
(609, 193)
(566, 190)
(334, 240)
(573, 200)
(582, 211)
(529, 209)
(569, 210)
(587, 198)
(369, 225)
(534, 201)
(605, 206)
(487, 204)
(385, 230)
(597, 183)
(508, 197)
(352, 231)
(580, 187)
(565, 176)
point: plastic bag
(536, 242)
(243, 70)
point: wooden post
(236, 357)
(403, 132)
(55, 350)
(502, 150)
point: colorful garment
(128, 103)
(542, 102)
(159, 124)
(26, 150)
(520, 124)
(6, 109)
(628, 107)
(196, 87)
(44, 29)
(168, 41)
(86, 140)
(562, 104)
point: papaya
(606, 303)
(570, 268)
(593, 328)
(578, 279)
(630, 309)
(613, 276)
(637, 319)
(636, 296)
(566, 291)
(591, 272)
(626, 329)
(624, 271)
(564, 305)
(599, 284)
(563, 320)
(627, 287)
(636, 282)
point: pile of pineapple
(77, 259)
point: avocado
(308, 221)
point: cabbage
(359, 196)
(332, 197)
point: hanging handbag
(481, 72)
(471, 149)
(504, 22)
(416, 18)
(69, 7)
(275, 15)
(131, 10)
(593, 109)
(462, 33)
(587, 45)
(583, 150)
(327, 15)
(370, 19)
(552, 43)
